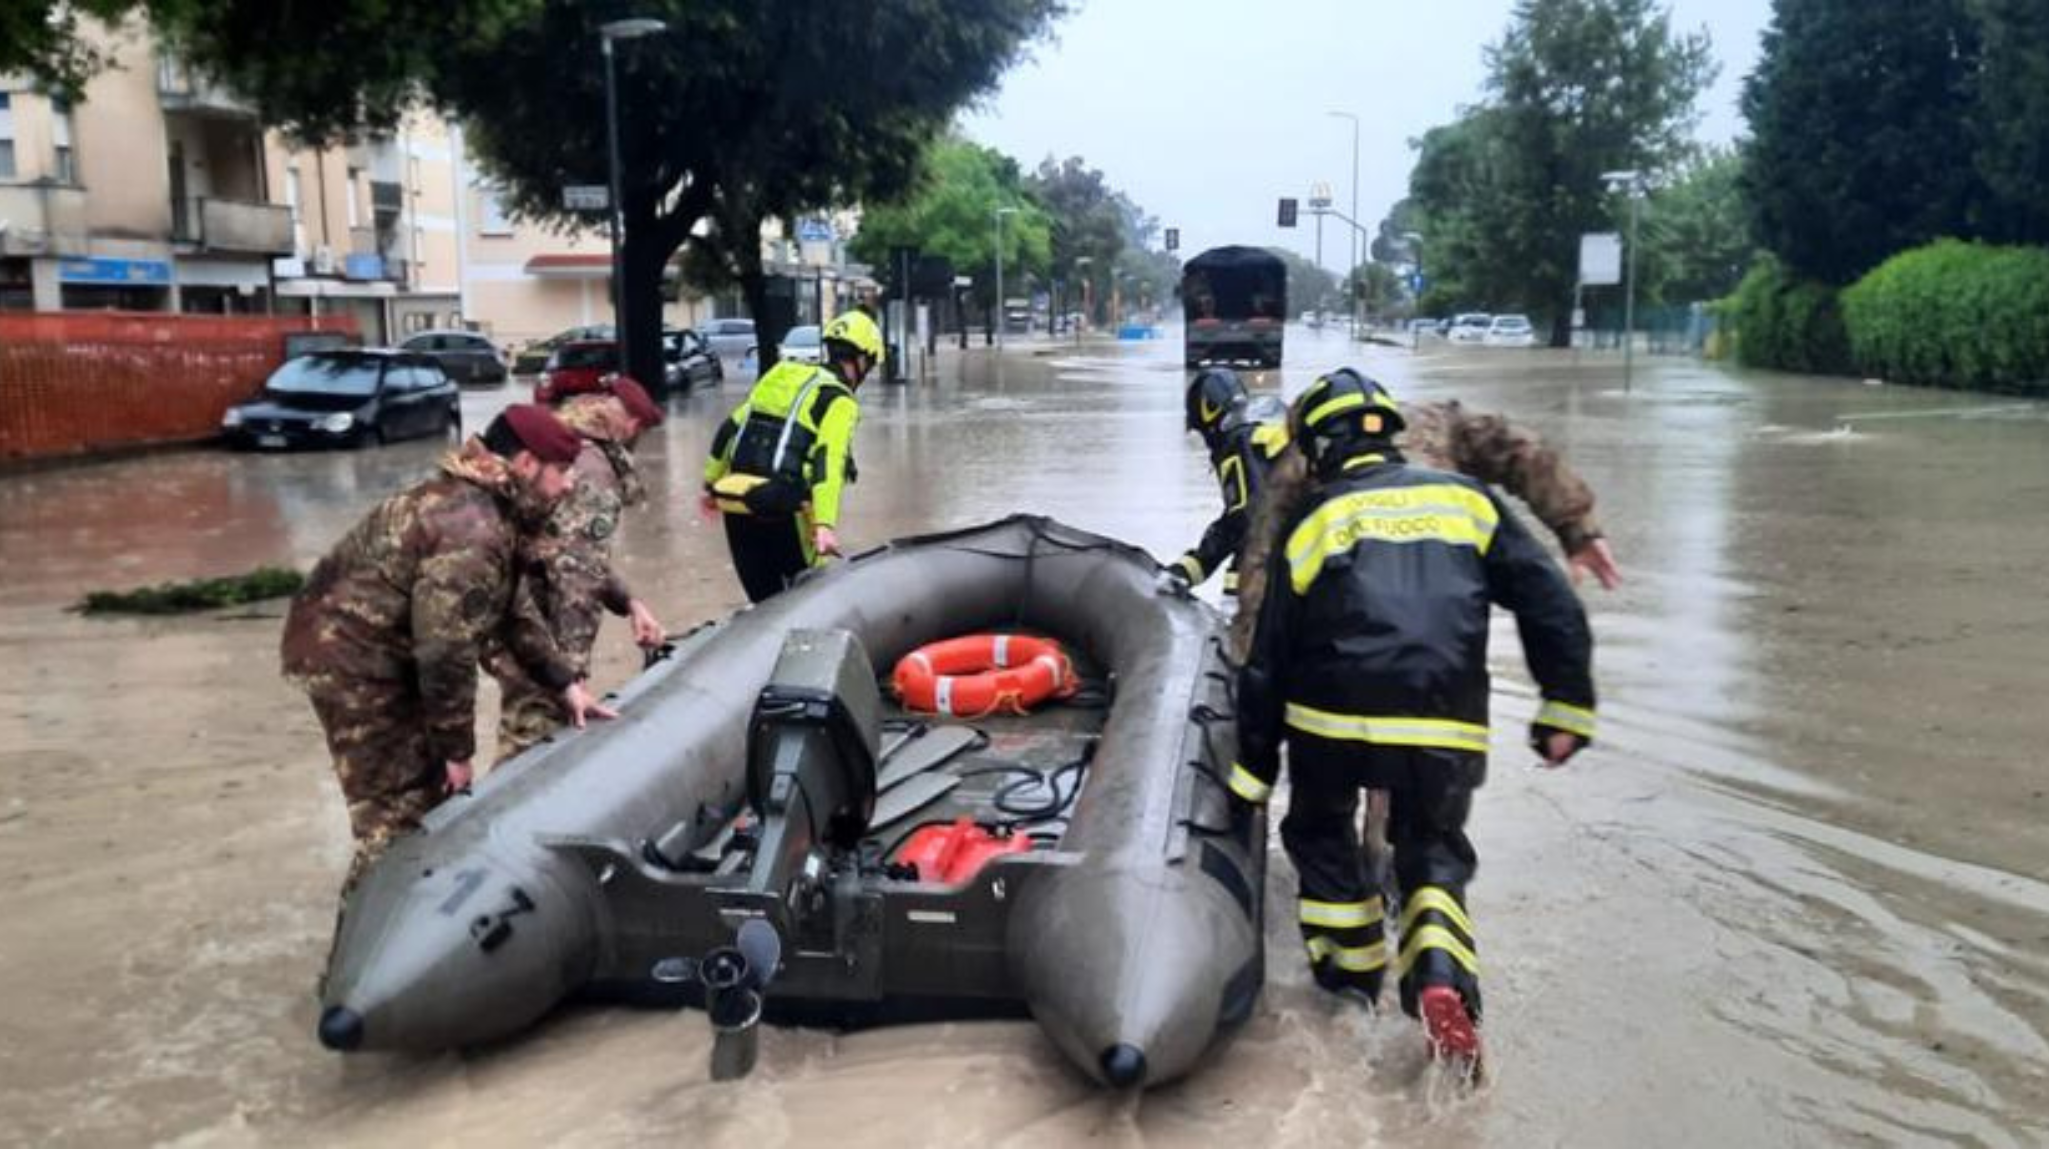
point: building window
(66, 166)
(494, 216)
(6, 136)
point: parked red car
(576, 369)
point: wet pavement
(1796, 895)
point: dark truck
(1235, 300)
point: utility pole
(1351, 271)
(1632, 182)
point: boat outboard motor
(811, 748)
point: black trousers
(1343, 911)
(768, 552)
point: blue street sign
(814, 231)
(117, 272)
(1416, 282)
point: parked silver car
(729, 338)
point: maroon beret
(635, 399)
(541, 432)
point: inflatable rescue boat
(766, 832)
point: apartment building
(160, 191)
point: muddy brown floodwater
(1795, 895)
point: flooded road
(1796, 895)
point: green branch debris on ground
(195, 594)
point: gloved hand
(1172, 578)
(459, 774)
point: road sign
(814, 231)
(1173, 239)
(586, 197)
(1600, 259)
(1287, 212)
(1416, 283)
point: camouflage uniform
(385, 636)
(1442, 436)
(566, 575)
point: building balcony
(227, 225)
(179, 90)
(42, 219)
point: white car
(1511, 331)
(1470, 327)
(801, 345)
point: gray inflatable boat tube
(1135, 942)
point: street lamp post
(1352, 272)
(1633, 181)
(614, 219)
(1000, 318)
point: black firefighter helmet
(1342, 410)
(1214, 396)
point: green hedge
(1955, 314)
(1787, 323)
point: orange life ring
(980, 674)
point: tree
(950, 212)
(1580, 87)
(732, 116)
(1378, 288)
(1859, 113)
(1091, 221)
(2013, 120)
(1309, 286)
(1696, 233)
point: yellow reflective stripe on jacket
(1249, 786)
(1192, 567)
(1340, 915)
(836, 437)
(1388, 730)
(1335, 406)
(1430, 512)
(1351, 959)
(1436, 938)
(1428, 898)
(1576, 719)
(1231, 475)
(1271, 439)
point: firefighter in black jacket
(1370, 661)
(1242, 446)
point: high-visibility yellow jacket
(794, 437)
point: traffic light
(1287, 212)
(1173, 239)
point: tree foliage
(1092, 222)
(1858, 112)
(2012, 132)
(1309, 286)
(1576, 88)
(1954, 314)
(950, 212)
(1696, 239)
(739, 112)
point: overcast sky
(1207, 111)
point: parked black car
(465, 356)
(533, 358)
(688, 360)
(347, 398)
